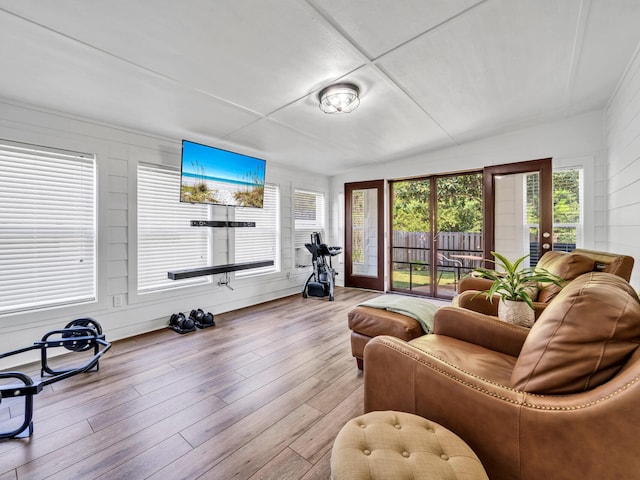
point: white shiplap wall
(623, 167)
(118, 202)
(118, 150)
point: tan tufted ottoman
(396, 445)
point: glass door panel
(517, 216)
(411, 236)
(364, 232)
(458, 244)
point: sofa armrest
(484, 330)
(478, 302)
(474, 283)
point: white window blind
(166, 239)
(308, 210)
(48, 228)
(261, 242)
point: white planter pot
(518, 313)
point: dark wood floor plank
(43, 445)
(259, 396)
(250, 415)
(318, 439)
(86, 406)
(150, 461)
(130, 441)
(185, 375)
(321, 470)
(146, 428)
(11, 475)
(344, 383)
(168, 397)
(271, 381)
(240, 466)
(241, 430)
(287, 465)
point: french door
(518, 208)
(436, 235)
(364, 235)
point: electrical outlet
(118, 300)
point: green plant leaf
(514, 282)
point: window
(567, 209)
(48, 233)
(166, 240)
(308, 209)
(261, 242)
(357, 227)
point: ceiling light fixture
(339, 98)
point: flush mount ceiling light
(339, 98)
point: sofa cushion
(565, 265)
(371, 322)
(582, 338)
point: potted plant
(515, 286)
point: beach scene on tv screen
(210, 175)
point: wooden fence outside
(414, 247)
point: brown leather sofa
(558, 401)
(566, 266)
(366, 323)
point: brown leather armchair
(557, 401)
(566, 266)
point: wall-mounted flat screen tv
(219, 177)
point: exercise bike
(321, 281)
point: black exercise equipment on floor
(201, 319)
(79, 335)
(196, 319)
(321, 281)
(181, 324)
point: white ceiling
(246, 73)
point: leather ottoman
(368, 322)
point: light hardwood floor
(260, 396)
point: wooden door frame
(544, 167)
(359, 281)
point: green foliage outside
(566, 202)
(357, 224)
(420, 278)
(411, 206)
(459, 204)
